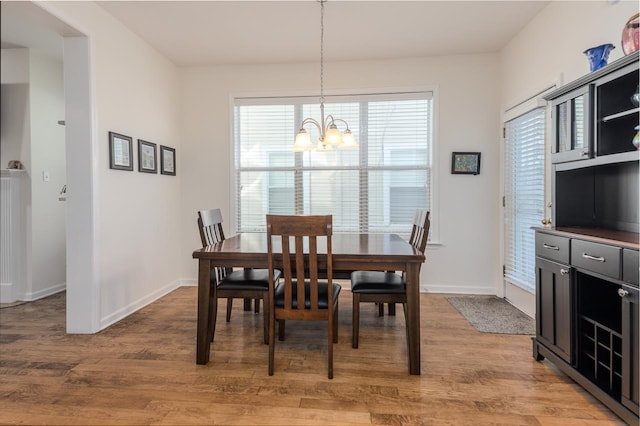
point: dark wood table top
(347, 248)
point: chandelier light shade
(329, 134)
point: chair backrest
(300, 260)
(210, 226)
(420, 230)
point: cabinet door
(571, 128)
(554, 307)
(630, 347)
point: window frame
(342, 96)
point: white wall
(552, 44)
(552, 47)
(133, 91)
(14, 110)
(14, 66)
(467, 260)
(47, 269)
(31, 106)
(14, 123)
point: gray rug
(490, 314)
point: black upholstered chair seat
(386, 287)
(248, 279)
(322, 295)
(374, 282)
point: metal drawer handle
(622, 292)
(596, 258)
(547, 246)
(564, 271)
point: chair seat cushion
(376, 282)
(323, 296)
(248, 279)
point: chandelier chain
(322, 51)
(328, 133)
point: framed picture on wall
(120, 152)
(147, 157)
(167, 160)
(465, 163)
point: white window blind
(374, 188)
(524, 194)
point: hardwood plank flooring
(142, 370)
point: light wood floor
(142, 370)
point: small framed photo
(465, 163)
(147, 157)
(167, 160)
(120, 152)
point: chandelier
(330, 135)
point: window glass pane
(394, 196)
(333, 192)
(400, 127)
(252, 188)
(375, 187)
(264, 128)
(281, 185)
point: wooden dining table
(351, 252)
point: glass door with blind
(524, 195)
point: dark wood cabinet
(630, 347)
(587, 262)
(554, 307)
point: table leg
(203, 343)
(413, 317)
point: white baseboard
(40, 294)
(188, 282)
(458, 289)
(137, 305)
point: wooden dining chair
(247, 283)
(386, 287)
(297, 243)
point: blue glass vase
(598, 55)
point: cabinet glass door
(570, 118)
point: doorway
(81, 278)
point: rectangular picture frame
(167, 160)
(465, 163)
(147, 157)
(120, 151)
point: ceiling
(193, 33)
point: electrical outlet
(45, 176)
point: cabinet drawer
(630, 260)
(552, 247)
(600, 258)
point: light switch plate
(45, 176)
